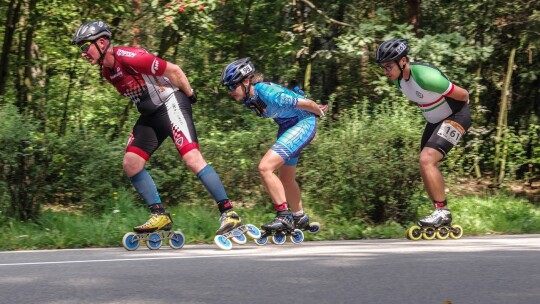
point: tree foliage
(64, 127)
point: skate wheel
(176, 240)
(456, 232)
(279, 238)
(314, 227)
(131, 241)
(154, 241)
(442, 233)
(429, 233)
(253, 232)
(297, 236)
(261, 240)
(414, 233)
(240, 239)
(222, 242)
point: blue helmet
(236, 71)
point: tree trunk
(12, 19)
(504, 154)
(135, 42)
(307, 72)
(476, 147)
(413, 12)
(28, 78)
(245, 30)
(499, 161)
(122, 121)
(64, 121)
(173, 37)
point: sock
(440, 205)
(212, 183)
(157, 208)
(299, 213)
(224, 205)
(145, 186)
(282, 209)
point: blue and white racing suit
(297, 127)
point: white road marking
(356, 248)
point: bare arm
(459, 93)
(311, 106)
(178, 78)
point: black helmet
(91, 31)
(392, 50)
(236, 71)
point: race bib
(451, 131)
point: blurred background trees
(63, 128)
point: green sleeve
(430, 79)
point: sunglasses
(85, 46)
(231, 87)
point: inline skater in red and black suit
(162, 94)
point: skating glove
(193, 97)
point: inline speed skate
(436, 225)
(278, 229)
(302, 222)
(153, 232)
(231, 228)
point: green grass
(478, 215)
(495, 215)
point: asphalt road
(486, 270)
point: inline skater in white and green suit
(444, 106)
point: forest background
(63, 129)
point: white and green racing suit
(447, 119)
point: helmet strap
(102, 55)
(401, 68)
(246, 91)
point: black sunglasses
(85, 46)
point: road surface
(486, 270)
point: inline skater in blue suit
(296, 117)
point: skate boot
(278, 229)
(281, 222)
(233, 229)
(436, 225)
(153, 233)
(157, 221)
(302, 222)
(229, 220)
(436, 219)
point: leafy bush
(21, 165)
(366, 165)
(84, 169)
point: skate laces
(284, 219)
(153, 220)
(438, 213)
(228, 217)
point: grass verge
(478, 215)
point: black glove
(193, 97)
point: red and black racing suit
(165, 109)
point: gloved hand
(193, 97)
